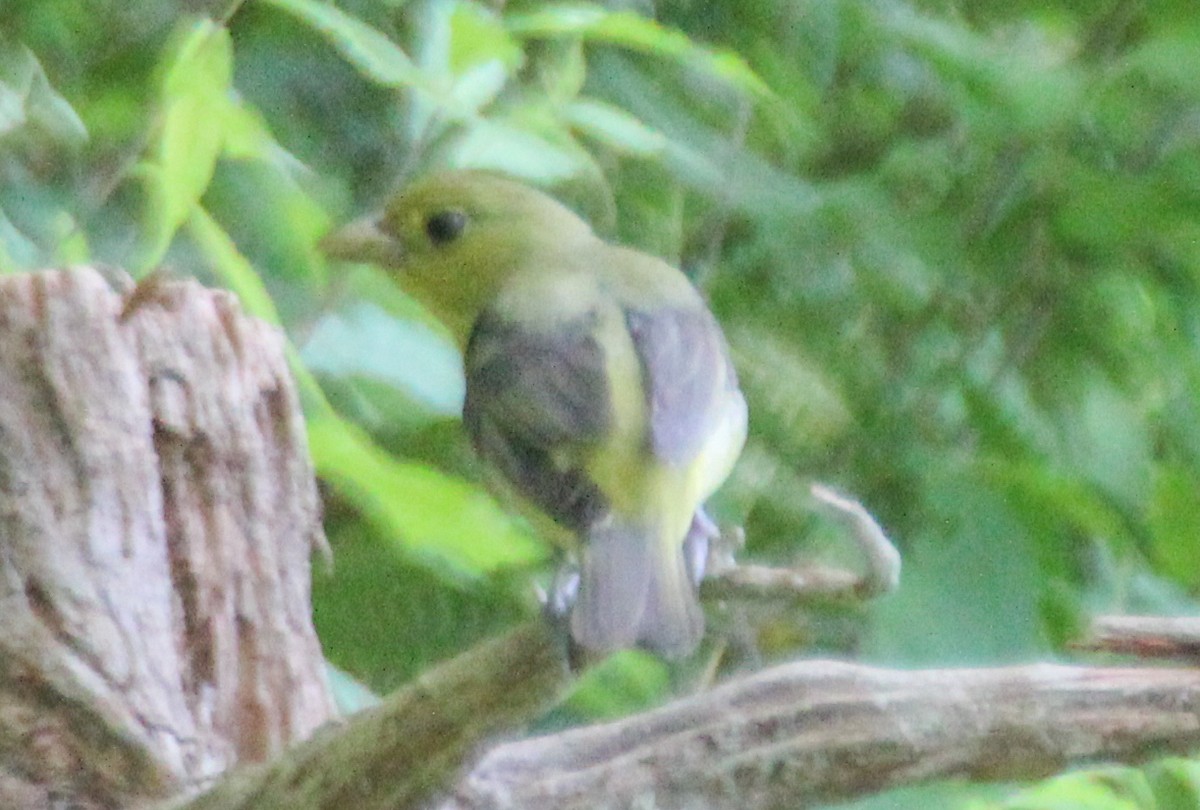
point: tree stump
(157, 514)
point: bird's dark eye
(445, 226)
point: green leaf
(375, 56)
(70, 240)
(1175, 523)
(478, 86)
(799, 405)
(27, 97)
(363, 340)
(233, 268)
(194, 97)
(478, 36)
(1048, 496)
(1176, 784)
(247, 137)
(615, 127)
(561, 70)
(628, 30)
(1037, 86)
(489, 144)
(1171, 56)
(201, 63)
(452, 525)
(621, 685)
(385, 620)
(1116, 788)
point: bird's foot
(556, 607)
(564, 589)
(709, 548)
(698, 545)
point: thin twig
(817, 583)
(883, 560)
(1145, 637)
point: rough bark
(157, 513)
(406, 751)
(818, 731)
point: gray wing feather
(687, 375)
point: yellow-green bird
(599, 386)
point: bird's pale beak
(364, 240)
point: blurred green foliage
(956, 247)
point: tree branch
(819, 731)
(808, 584)
(1145, 637)
(410, 747)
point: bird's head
(452, 238)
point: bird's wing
(538, 399)
(689, 382)
(534, 397)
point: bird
(600, 391)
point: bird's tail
(635, 589)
